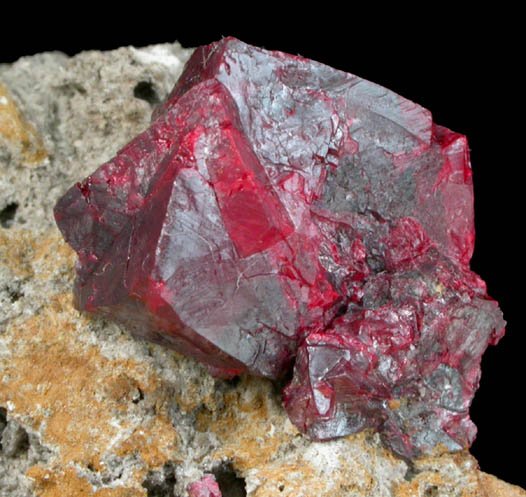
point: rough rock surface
(87, 410)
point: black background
(463, 66)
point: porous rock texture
(87, 410)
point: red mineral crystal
(279, 210)
(206, 487)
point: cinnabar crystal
(279, 210)
(206, 487)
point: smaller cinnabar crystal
(206, 487)
(406, 361)
(279, 210)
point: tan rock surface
(85, 410)
(18, 134)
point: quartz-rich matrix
(279, 210)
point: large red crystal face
(278, 210)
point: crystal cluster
(279, 212)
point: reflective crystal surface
(278, 211)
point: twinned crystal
(279, 212)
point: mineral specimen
(278, 210)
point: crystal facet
(278, 210)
